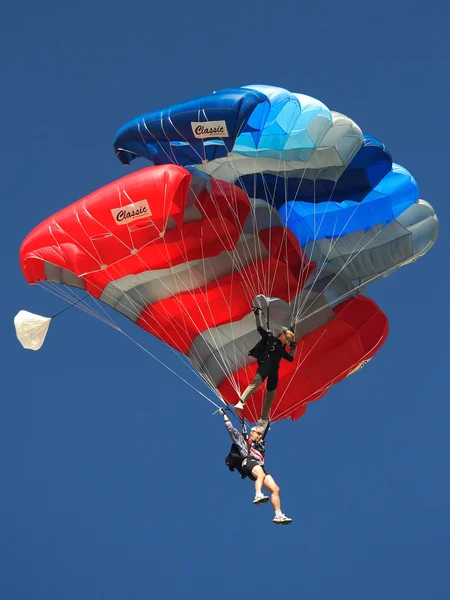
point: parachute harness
(246, 436)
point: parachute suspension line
(199, 156)
(347, 262)
(139, 313)
(269, 247)
(258, 250)
(190, 273)
(263, 277)
(298, 365)
(324, 388)
(141, 259)
(237, 261)
(168, 368)
(223, 361)
(234, 256)
(330, 249)
(303, 302)
(222, 353)
(119, 329)
(183, 358)
(99, 258)
(336, 300)
(58, 291)
(301, 279)
(245, 436)
(336, 239)
(131, 248)
(172, 158)
(271, 281)
(132, 301)
(269, 202)
(257, 243)
(298, 297)
(165, 315)
(284, 242)
(99, 261)
(270, 199)
(286, 413)
(247, 251)
(68, 307)
(139, 308)
(304, 268)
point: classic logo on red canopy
(125, 214)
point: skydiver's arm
(262, 332)
(236, 437)
(290, 355)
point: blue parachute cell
(372, 162)
(188, 133)
(286, 133)
(257, 121)
(396, 192)
(314, 166)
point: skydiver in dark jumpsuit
(268, 352)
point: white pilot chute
(31, 329)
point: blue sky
(113, 483)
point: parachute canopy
(188, 267)
(253, 196)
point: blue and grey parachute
(354, 211)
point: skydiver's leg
(249, 390)
(274, 490)
(279, 518)
(259, 474)
(272, 383)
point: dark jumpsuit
(268, 352)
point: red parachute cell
(183, 266)
(323, 358)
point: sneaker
(239, 406)
(282, 520)
(260, 499)
(263, 422)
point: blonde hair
(290, 335)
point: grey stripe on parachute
(368, 255)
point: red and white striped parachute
(185, 257)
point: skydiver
(248, 459)
(268, 352)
